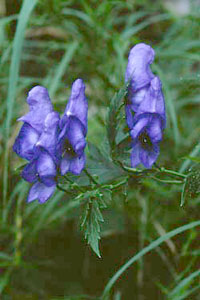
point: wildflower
(153, 101)
(42, 169)
(148, 125)
(139, 74)
(146, 135)
(40, 106)
(73, 127)
(36, 142)
(146, 101)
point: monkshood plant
(55, 146)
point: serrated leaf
(91, 219)
(113, 115)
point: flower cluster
(52, 145)
(145, 108)
(55, 146)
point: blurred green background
(43, 254)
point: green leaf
(184, 284)
(113, 116)
(144, 251)
(95, 153)
(91, 219)
(26, 9)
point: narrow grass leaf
(184, 283)
(27, 7)
(144, 251)
(67, 57)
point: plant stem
(114, 186)
(62, 189)
(166, 181)
(90, 177)
(171, 172)
(74, 183)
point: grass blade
(144, 251)
(70, 50)
(24, 15)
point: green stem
(171, 172)
(90, 176)
(114, 186)
(74, 183)
(62, 189)
(167, 181)
(160, 169)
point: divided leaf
(91, 219)
(113, 115)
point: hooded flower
(36, 142)
(146, 101)
(73, 127)
(40, 106)
(146, 135)
(139, 74)
(41, 171)
(153, 101)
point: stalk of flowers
(145, 109)
(50, 144)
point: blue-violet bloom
(40, 106)
(139, 76)
(73, 127)
(146, 135)
(145, 110)
(36, 142)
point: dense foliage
(123, 213)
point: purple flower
(73, 131)
(40, 106)
(139, 74)
(153, 101)
(146, 134)
(37, 142)
(145, 109)
(25, 142)
(41, 171)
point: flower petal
(154, 129)
(77, 105)
(25, 142)
(139, 124)
(74, 165)
(46, 168)
(138, 70)
(41, 192)
(153, 101)
(137, 97)
(75, 135)
(129, 116)
(135, 155)
(49, 137)
(29, 172)
(148, 158)
(40, 106)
